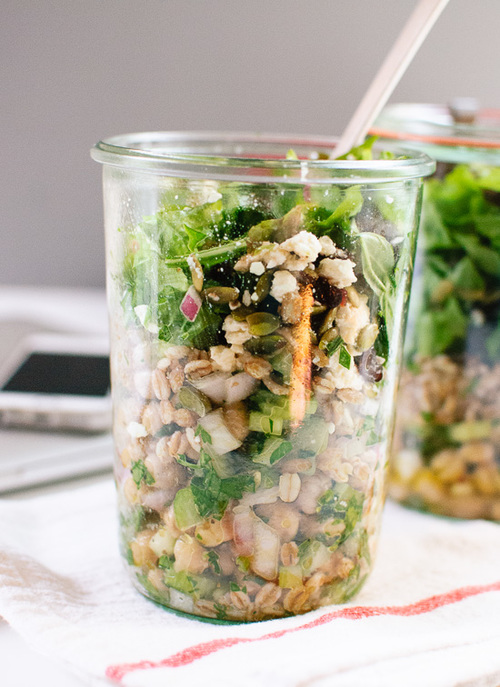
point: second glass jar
(446, 456)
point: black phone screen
(61, 373)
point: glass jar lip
(433, 124)
(224, 155)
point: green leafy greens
(460, 255)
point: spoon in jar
(392, 69)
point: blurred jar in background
(446, 456)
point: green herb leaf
(212, 493)
(183, 460)
(362, 152)
(213, 558)
(333, 346)
(166, 562)
(141, 474)
(221, 611)
(203, 434)
(348, 207)
(280, 452)
(377, 260)
(344, 503)
(234, 487)
(345, 358)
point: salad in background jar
(446, 455)
(257, 297)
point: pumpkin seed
(328, 321)
(265, 345)
(194, 400)
(367, 337)
(241, 313)
(318, 309)
(263, 287)
(262, 323)
(221, 294)
(328, 336)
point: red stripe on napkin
(198, 651)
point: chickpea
(168, 517)
(214, 532)
(312, 488)
(141, 551)
(189, 555)
(283, 518)
(167, 476)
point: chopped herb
(212, 494)
(213, 558)
(166, 562)
(141, 474)
(333, 346)
(345, 357)
(221, 611)
(344, 503)
(182, 459)
(203, 434)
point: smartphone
(57, 382)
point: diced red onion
(243, 532)
(191, 304)
(222, 439)
(213, 386)
(266, 550)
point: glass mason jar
(447, 445)
(257, 298)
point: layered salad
(253, 372)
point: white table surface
(21, 665)
(25, 310)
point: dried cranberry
(369, 367)
(326, 293)
(307, 276)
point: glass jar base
(208, 611)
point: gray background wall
(72, 72)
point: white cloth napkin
(428, 616)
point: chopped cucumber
(197, 586)
(258, 422)
(274, 449)
(185, 509)
(290, 577)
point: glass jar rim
(433, 124)
(223, 155)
